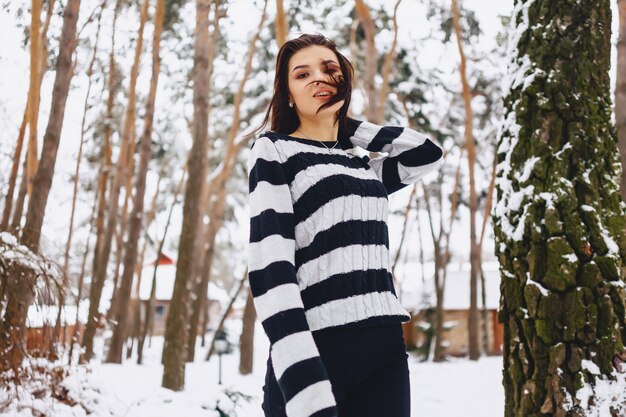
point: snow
(606, 393)
(591, 367)
(40, 314)
(570, 257)
(111, 390)
(13, 252)
(414, 292)
(544, 291)
(528, 168)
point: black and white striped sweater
(319, 246)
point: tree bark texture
(103, 243)
(174, 349)
(20, 291)
(620, 91)
(137, 213)
(559, 223)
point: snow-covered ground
(457, 388)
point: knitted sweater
(319, 246)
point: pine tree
(559, 220)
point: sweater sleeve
(299, 370)
(410, 154)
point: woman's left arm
(411, 154)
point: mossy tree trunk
(559, 221)
(620, 90)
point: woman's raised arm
(411, 154)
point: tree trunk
(473, 321)
(483, 282)
(135, 308)
(136, 216)
(198, 268)
(216, 190)
(281, 24)
(79, 293)
(20, 292)
(371, 59)
(442, 257)
(387, 64)
(620, 92)
(43, 66)
(149, 313)
(103, 244)
(559, 226)
(70, 229)
(405, 227)
(16, 223)
(95, 290)
(33, 95)
(176, 334)
(246, 342)
(8, 199)
(122, 171)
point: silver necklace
(336, 142)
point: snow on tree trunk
(559, 220)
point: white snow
(38, 315)
(570, 257)
(544, 291)
(415, 292)
(109, 390)
(590, 366)
(528, 168)
(605, 393)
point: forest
(125, 217)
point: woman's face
(306, 67)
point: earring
(290, 104)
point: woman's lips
(323, 98)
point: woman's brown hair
(284, 118)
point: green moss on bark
(561, 112)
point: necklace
(336, 142)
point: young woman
(319, 248)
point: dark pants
(368, 371)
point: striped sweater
(319, 247)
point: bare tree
(101, 255)
(79, 158)
(216, 189)
(33, 95)
(124, 166)
(174, 351)
(130, 254)
(20, 288)
(473, 321)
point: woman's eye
(330, 71)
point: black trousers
(367, 368)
